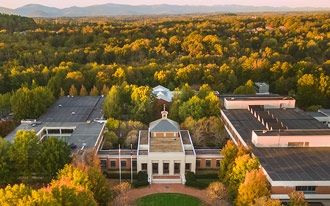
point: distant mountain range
(37, 10)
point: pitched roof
(164, 125)
(162, 93)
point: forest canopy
(290, 52)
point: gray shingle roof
(164, 125)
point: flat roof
(165, 144)
(295, 164)
(207, 151)
(59, 115)
(74, 109)
(294, 118)
(285, 164)
(311, 132)
(316, 114)
(259, 97)
(325, 111)
(185, 136)
(223, 96)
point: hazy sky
(68, 3)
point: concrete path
(132, 195)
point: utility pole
(119, 166)
(131, 165)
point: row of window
(298, 144)
(208, 163)
(306, 189)
(113, 164)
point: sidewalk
(134, 194)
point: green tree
(308, 93)
(248, 88)
(99, 186)
(24, 153)
(194, 107)
(54, 155)
(30, 103)
(6, 166)
(142, 104)
(113, 103)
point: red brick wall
(203, 163)
(281, 190)
(128, 163)
(322, 190)
(288, 190)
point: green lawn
(168, 199)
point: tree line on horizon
(290, 52)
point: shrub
(191, 181)
(190, 177)
(216, 191)
(142, 179)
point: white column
(160, 167)
(171, 167)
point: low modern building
(162, 93)
(76, 120)
(293, 147)
(261, 87)
(322, 115)
(164, 151)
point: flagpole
(119, 166)
(131, 165)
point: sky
(81, 3)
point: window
(306, 144)
(154, 168)
(188, 166)
(134, 164)
(123, 163)
(166, 168)
(217, 163)
(198, 163)
(207, 163)
(53, 131)
(176, 168)
(144, 166)
(112, 163)
(67, 131)
(295, 144)
(103, 164)
(306, 189)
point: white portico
(165, 151)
